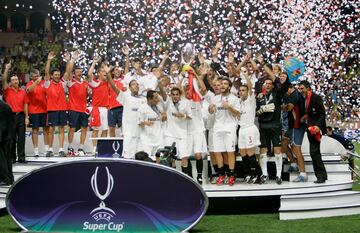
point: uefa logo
(102, 212)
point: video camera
(167, 155)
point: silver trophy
(116, 147)
(188, 54)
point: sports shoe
(49, 153)
(213, 179)
(293, 169)
(262, 179)
(81, 152)
(36, 155)
(62, 154)
(300, 178)
(70, 152)
(278, 180)
(199, 179)
(231, 180)
(247, 179)
(220, 180)
(252, 180)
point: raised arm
(5, 83)
(165, 57)
(32, 86)
(241, 64)
(110, 80)
(266, 68)
(215, 51)
(92, 68)
(248, 82)
(253, 63)
(51, 56)
(200, 79)
(69, 66)
(126, 52)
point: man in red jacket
(56, 105)
(36, 100)
(16, 97)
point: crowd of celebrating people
(206, 106)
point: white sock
(36, 150)
(278, 162)
(81, 146)
(46, 147)
(263, 164)
(61, 149)
(293, 164)
(51, 149)
(70, 145)
(303, 174)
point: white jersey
(248, 111)
(151, 135)
(252, 77)
(146, 82)
(208, 118)
(224, 120)
(196, 124)
(130, 114)
(177, 127)
(139, 79)
(150, 81)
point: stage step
(42, 160)
(272, 189)
(307, 158)
(332, 175)
(330, 166)
(319, 205)
(18, 167)
(324, 157)
(4, 189)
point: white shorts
(211, 140)
(103, 119)
(224, 141)
(130, 144)
(249, 137)
(181, 146)
(196, 143)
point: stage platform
(243, 197)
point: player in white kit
(196, 139)
(131, 101)
(150, 120)
(227, 111)
(249, 136)
(178, 111)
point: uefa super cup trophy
(188, 54)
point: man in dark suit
(7, 135)
(315, 120)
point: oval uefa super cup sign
(106, 195)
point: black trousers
(6, 174)
(319, 168)
(18, 148)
